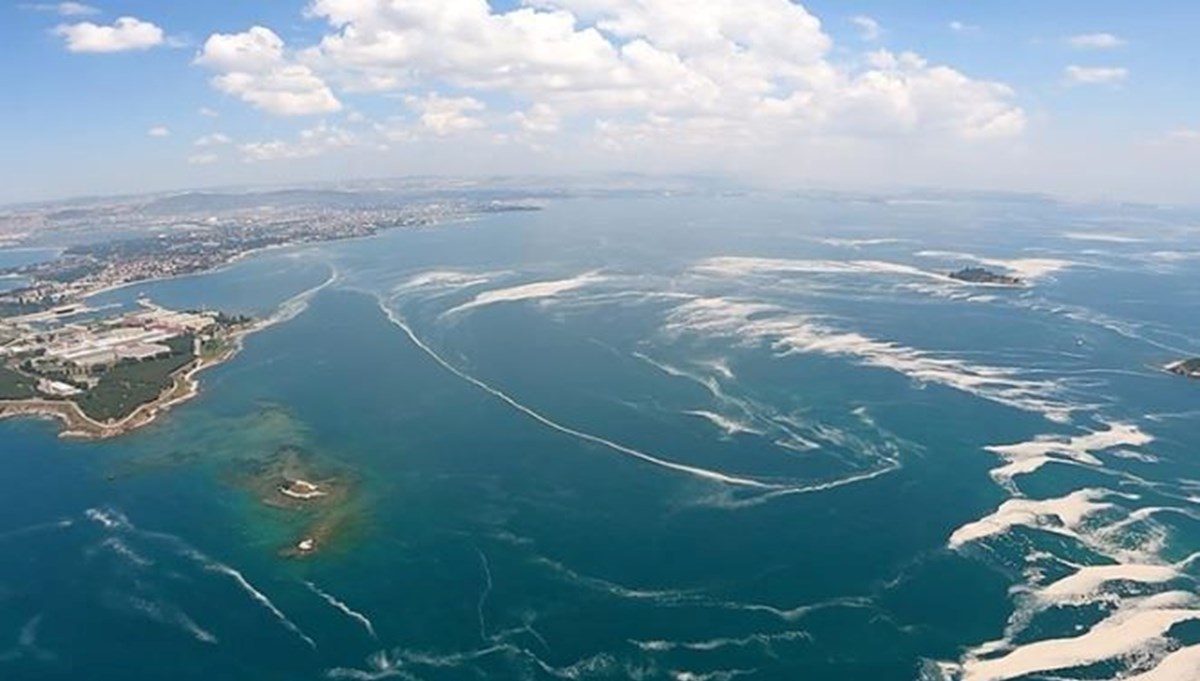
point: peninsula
(980, 275)
(105, 377)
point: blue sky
(1094, 99)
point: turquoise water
(654, 439)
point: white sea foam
(1103, 237)
(765, 640)
(344, 609)
(702, 473)
(717, 675)
(1180, 665)
(859, 243)
(1135, 631)
(1025, 268)
(258, 596)
(443, 279)
(481, 604)
(123, 550)
(1063, 515)
(1026, 457)
(720, 367)
(533, 291)
(27, 645)
(1086, 583)
(380, 665)
(167, 614)
(727, 425)
(109, 518)
(788, 332)
(742, 267)
(296, 305)
(35, 529)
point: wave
(344, 609)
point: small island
(980, 275)
(313, 495)
(103, 377)
(1188, 368)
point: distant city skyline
(1084, 100)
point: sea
(688, 438)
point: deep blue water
(653, 439)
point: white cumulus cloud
(721, 64)
(1096, 75)
(446, 115)
(1095, 41)
(311, 142)
(64, 9)
(255, 67)
(212, 140)
(868, 28)
(159, 131)
(125, 34)
(203, 159)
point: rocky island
(105, 377)
(1188, 368)
(980, 275)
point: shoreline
(79, 426)
(185, 386)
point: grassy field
(16, 386)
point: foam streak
(344, 609)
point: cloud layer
(744, 72)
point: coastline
(186, 385)
(79, 426)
